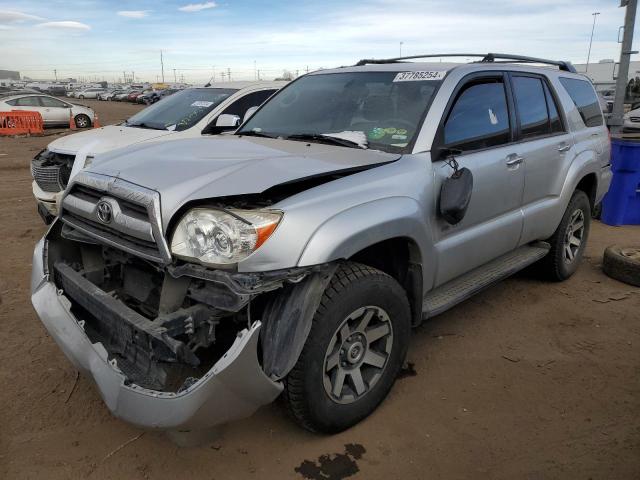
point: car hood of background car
(103, 139)
(201, 168)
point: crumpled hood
(199, 168)
(103, 139)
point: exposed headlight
(222, 237)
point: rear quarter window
(585, 99)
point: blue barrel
(621, 205)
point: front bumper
(233, 388)
(50, 200)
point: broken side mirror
(455, 193)
(228, 121)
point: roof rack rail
(486, 58)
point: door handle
(564, 148)
(513, 160)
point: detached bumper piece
(234, 388)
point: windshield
(385, 108)
(181, 110)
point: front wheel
(353, 354)
(82, 121)
(569, 240)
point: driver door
(478, 125)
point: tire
(622, 263)
(355, 292)
(81, 97)
(560, 264)
(82, 121)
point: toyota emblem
(104, 211)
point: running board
(459, 289)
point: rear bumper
(234, 388)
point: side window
(584, 98)
(479, 117)
(13, 102)
(27, 102)
(52, 102)
(554, 116)
(531, 105)
(255, 99)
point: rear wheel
(357, 344)
(82, 121)
(569, 240)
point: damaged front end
(174, 346)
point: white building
(603, 73)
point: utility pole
(616, 120)
(258, 74)
(228, 74)
(595, 15)
(133, 77)
(162, 65)
(174, 76)
(401, 48)
(55, 73)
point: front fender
(358, 227)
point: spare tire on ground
(622, 263)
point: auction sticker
(201, 103)
(419, 76)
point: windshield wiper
(326, 138)
(149, 126)
(253, 133)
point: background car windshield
(387, 111)
(183, 109)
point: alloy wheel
(357, 354)
(573, 236)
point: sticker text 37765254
(419, 76)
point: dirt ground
(527, 380)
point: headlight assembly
(222, 237)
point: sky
(99, 39)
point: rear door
(478, 124)
(546, 147)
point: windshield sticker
(398, 137)
(419, 76)
(377, 133)
(201, 103)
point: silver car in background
(198, 279)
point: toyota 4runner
(199, 279)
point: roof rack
(486, 58)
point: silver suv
(199, 279)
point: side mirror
(229, 121)
(455, 196)
(249, 113)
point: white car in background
(189, 113)
(632, 119)
(89, 93)
(54, 111)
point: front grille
(133, 225)
(51, 170)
